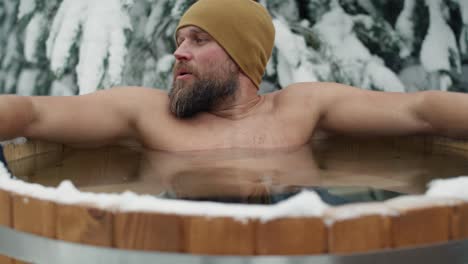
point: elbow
(423, 112)
(442, 113)
(20, 116)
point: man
(222, 50)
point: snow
(464, 10)
(445, 82)
(154, 19)
(65, 86)
(415, 78)
(103, 37)
(67, 193)
(439, 45)
(11, 53)
(138, 18)
(304, 204)
(149, 75)
(98, 30)
(26, 189)
(336, 30)
(351, 211)
(379, 76)
(10, 82)
(410, 202)
(15, 141)
(263, 3)
(177, 9)
(369, 7)
(293, 65)
(165, 63)
(464, 40)
(270, 68)
(26, 7)
(64, 33)
(442, 192)
(102, 25)
(405, 27)
(454, 187)
(34, 31)
(464, 34)
(117, 41)
(127, 3)
(27, 82)
(287, 9)
(146, 203)
(288, 44)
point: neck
(242, 104)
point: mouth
(182, 74)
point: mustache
(185, 66)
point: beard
(205, 92)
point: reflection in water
(330, 195)
(340, 171)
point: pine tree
(463, 40)
(66, 47)
(159, 34)
(10, 54)
(331, 48)
(439, 52)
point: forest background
(70, 47)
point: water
(340, 170)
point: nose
(183, 52)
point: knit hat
(242, 27)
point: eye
(179, 41)
(200, 40)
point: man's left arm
(350, 110)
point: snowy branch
(99, 28)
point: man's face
(203, 73)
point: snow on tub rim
(303, 224)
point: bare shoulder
(312, 101)
(321, 89)
(134, 92)
(307, 93)
(154, 121)
(318, 94)
(135, 100)
(299, 102)
(142, 101)
(346, 109)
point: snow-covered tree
(439, 52)
(97, 29)
(66, 47)
(159, 34)
(464, 33)
(10, 55)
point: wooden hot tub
(399, 165)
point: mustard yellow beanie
(242, 27)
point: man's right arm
(94, 119)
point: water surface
(340, 170)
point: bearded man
(223, 47)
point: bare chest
(263, 131)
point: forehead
(190, 30)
